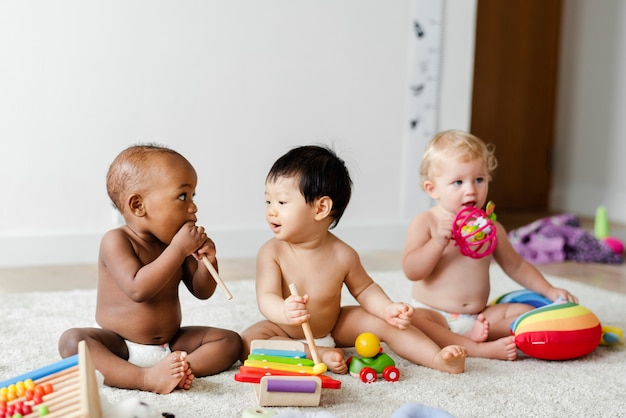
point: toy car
(374, 363)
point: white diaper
(327, 341)
(145, 355)
(458, 323)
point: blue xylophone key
(280, 353)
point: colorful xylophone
(282, 375)
(67, 388)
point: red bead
(29, 394)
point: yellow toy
(611, 335)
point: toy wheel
(348, 361)
(391, 374)
(367, 375)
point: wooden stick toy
(217, 277)
(319, 367)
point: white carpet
(591, 386)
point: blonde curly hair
(459, 145)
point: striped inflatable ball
(555, 331)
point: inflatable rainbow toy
(558, 331)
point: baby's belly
(452, 305)
(142, 329)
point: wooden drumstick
(216, 276)
(319, 367)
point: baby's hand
(207, 249)
(555, 293)
(443, 231)
(189, 238)
(399, 314)
(295, 309)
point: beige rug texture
(591, 386)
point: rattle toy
(474, 232)
(282, 375)
(373, 363)
(319, 367)
(217, 277)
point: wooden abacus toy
(282, 374)
(67, 388)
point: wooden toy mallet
(319, 367)
(216, 276)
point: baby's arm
(373, 298)
(269, 292)
(426, 239)
(141, 281)
(523, 272)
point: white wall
(230, 84)
(591, 128)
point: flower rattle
(474, 232)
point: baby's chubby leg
(434, 325)
(109, 353)
(501, 349)
(411, 343)
(210, 350)
(501, 316)
(480, 329)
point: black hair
(320, 172)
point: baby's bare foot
(333, 358)
(501, 349)
(167, 374)
(480, 330)
(451, 359)
(185, 382)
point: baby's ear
(323, 207)
(135, 205)
(429, 188)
